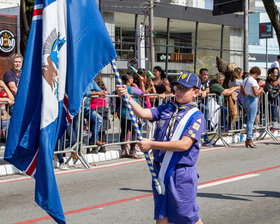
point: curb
(9, 169)
(112, 154)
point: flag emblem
(52, 46)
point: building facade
(186, 35)
(9, 32)
(259, 47)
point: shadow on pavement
(140, 190)
(272, 143)
(220, 196)
(264, 194)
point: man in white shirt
(275, 64)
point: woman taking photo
(251, 90)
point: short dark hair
(203, 69)
(254, 70)
(126, 77)
(141, 71)
(272, 70)
(278, 57)
(271, 79)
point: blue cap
(189, 80)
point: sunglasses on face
(181, 88)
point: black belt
(178, 166)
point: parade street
(236, 185)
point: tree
(26, 12)
(273, 15)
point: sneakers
(63, 166)
(102, 149)
(275, 125)
(55, 157)
(134, 156)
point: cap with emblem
(188, 80)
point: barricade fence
(106, 121)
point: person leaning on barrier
(146, 84)
(251, 90)
(260, 105)
(6, 96)
(126, 123)
(273, 72)
(202, 102)
(216, 86)
(12, 77)
(96, 120)
(272, 89)
(101, 106)
(161, 84)
(236, 78)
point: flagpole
(159, 187)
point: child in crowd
(126, 123)
(178, 204)
(100, 105)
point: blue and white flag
(67, 47)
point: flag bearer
(175, 148)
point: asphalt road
(236, 185)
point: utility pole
(152, 46)
(246, 30)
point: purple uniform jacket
(163, 114)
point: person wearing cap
(180, 125)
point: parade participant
(178, 204)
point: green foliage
(204, 60)
(29, 10)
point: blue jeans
(69, 129)
(96, 122)
(251, 107)
(274, 112)
(205, 110)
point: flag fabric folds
(68, 46)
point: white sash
(168, 154)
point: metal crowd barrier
(221, 115)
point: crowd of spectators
(8, 91)
(236, 94)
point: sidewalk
(112, 153)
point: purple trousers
(179, 201)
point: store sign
(262, 57)
(176, 57)
(265, 30)
(7, 41)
